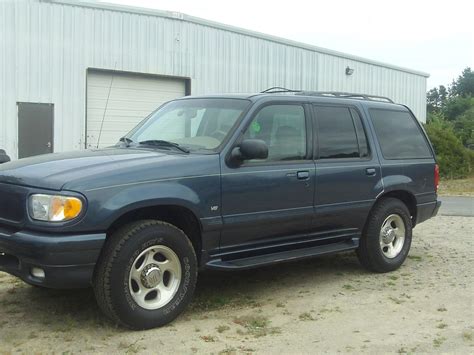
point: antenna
(105, 110)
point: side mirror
(3, 157)
(250, 149)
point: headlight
(54, 208)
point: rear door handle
(302, 175)
(370, 171)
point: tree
(436, 98)
(464, 128)
(456, 106)
(464, 85)
(454, 160)
(450, 125)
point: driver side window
(283, 129)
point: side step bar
(294, 254)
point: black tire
(111, 279)
(370, 253)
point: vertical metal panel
(46, 49)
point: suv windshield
(192, 123)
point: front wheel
(387, 236)
(146, 274)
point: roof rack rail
(277, 89)
(345, 95)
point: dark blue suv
(218, 182)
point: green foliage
(464, 127)
(450, 125)
(436, 98)
(464, 85)
(455, 161)
(457, 106)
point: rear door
(348, 175)
(266, 199)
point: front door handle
(302, 175)
(370, 171)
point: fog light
(37, 272)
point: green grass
(257, 326)
(306, 316)
(468, 336)
(208, 338)
(437, 342)
(222, 328)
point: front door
(35, 129)
(348, 175)
(266, 199)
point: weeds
(437, 342)
(306, 316)
(222, 328)
(257, 326)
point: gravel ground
(328, 304)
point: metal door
(35, 129)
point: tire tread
(110, 252)
(366, 252)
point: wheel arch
(404, 196)
(179, 216)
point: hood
(88, 169)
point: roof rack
(344, 95)
(277, 89)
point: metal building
(70, 68)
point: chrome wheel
(155, 277)
(392, 236)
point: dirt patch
(328, 304)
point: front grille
(12, 203)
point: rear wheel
(146, 274)
(387, 236)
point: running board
(294, 254)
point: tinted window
(336, 133)
(399, 135)
(283, 128)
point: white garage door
(118, 102)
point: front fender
(200, 195)
(142, 196)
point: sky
(432, 36)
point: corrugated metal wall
(46, 48)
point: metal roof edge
(200, 21)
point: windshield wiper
(126, 140)
(162, 143)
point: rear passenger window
(399, 135)
(339, 134)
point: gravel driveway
(328, 304)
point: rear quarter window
(399, 135)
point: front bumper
(68, 261)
